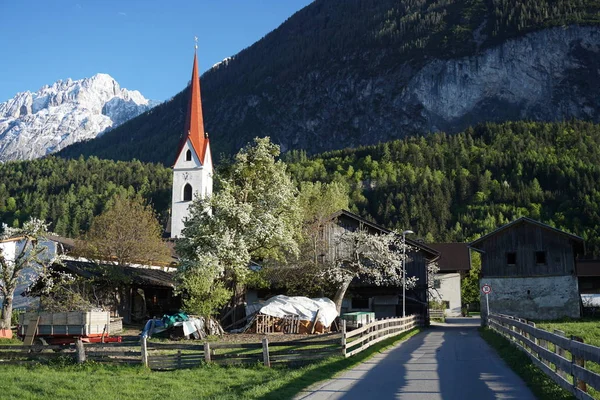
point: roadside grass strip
(541, 385)
(209, 381)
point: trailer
(66, 327)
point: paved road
(449, 362)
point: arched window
(187, 192)
(188, 155)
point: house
(12, 247)
(531, 268)
(588, 279)
(384, 301)
(454, 263)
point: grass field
(588, 329)
(91, 381)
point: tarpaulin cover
(303, 307)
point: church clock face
(186, 176)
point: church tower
(192, 171)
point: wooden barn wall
(525, 240)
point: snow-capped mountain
(35, 124)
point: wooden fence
(436, 313)
(357, 340)
(169, 356)
(562, 359)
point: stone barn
(531, 269)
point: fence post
(579, 361)
(144, 351)
(80, 351)
(207, 352)
(178, 359)
(561, 352)
(535, 339)
(544, 345)
(265, 348)
(344, 338)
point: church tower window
(188, 155)
(187, 192)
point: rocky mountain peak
(33, 124)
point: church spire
(194, 125)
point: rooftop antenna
(196, 43)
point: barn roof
(432, 253)
(137, 275)
(453, 256)
(524, 220)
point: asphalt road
(449, 361)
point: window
(540, 257)
(446, 304)
(187, 192)
(436, 283)
(511, 258)
(188, 155)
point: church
(193, 168)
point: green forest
(444, 187)
(69, 193)
(458, 187)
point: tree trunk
(7, 308)
(340, 293)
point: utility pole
(404, 271)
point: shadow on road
(449, 361)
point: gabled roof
(12, 239)
(194, 124)
(139, 276)
(525, 220)
(433, 254)
(453, 256)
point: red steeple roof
(194, 125)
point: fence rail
(563, 359)
(168, 356)
(436, 313)
(360, 339)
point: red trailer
(66, 327)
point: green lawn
(207, 382)
(588, 329)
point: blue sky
(144, 44)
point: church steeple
(192, 171)
(194, 125)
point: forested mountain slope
(443, 187)
(69, 193)
(345, 73)
(458, 187)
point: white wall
(449, 290)
(9, 250)
(194, 173)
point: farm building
(134, 292)
(454, 263)
(531, 269)
(384, 301)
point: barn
(531, 269)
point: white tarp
(303, 307)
